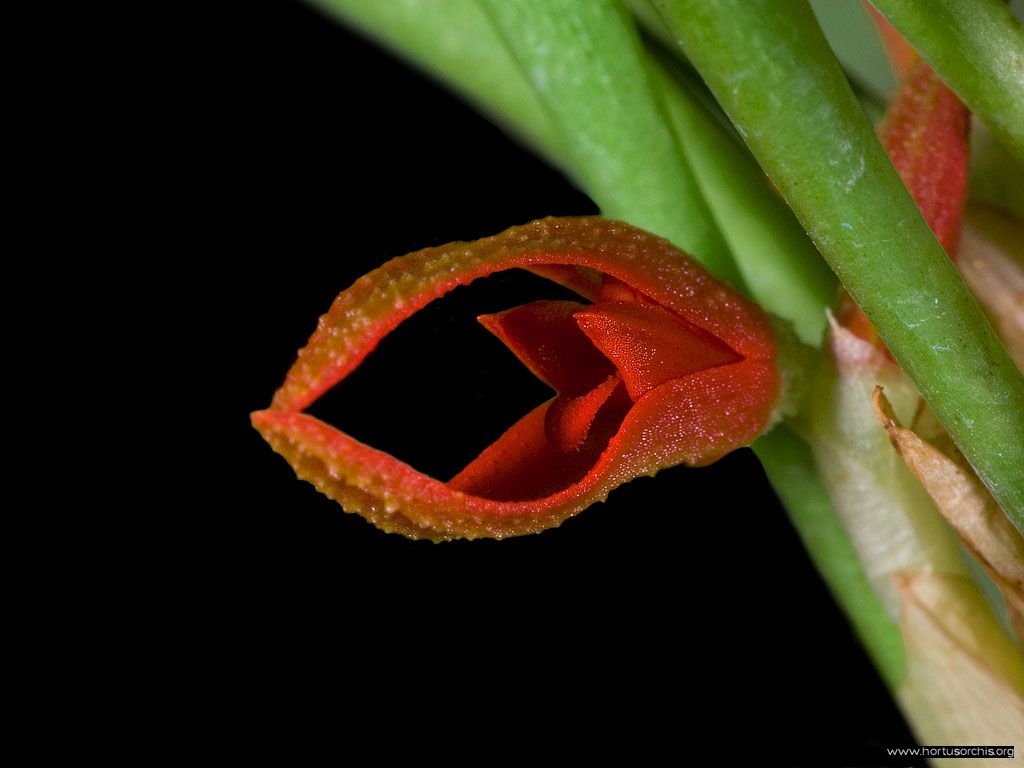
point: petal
(569, 420)
(525, 465)
(546, 338)
(698, 419)
(650, 345)
(925, 135)
(521, 465)
(378, 302)
(616, 290)
(695, 421)
(396, 498)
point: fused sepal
(623, 408)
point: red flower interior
(600, 359)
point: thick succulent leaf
(815, 143)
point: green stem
(772, 70)
(977, 47)
(849, 32)
(790, 468)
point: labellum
(658, 364)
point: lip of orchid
(668, 365)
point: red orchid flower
(665, 365)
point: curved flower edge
(693, 420)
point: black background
(682, 610)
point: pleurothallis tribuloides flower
(659, 364)
(925, 134)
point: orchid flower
(666, 365)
